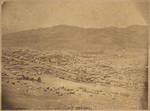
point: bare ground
(89, 80)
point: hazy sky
(19, 16)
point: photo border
(3, 1)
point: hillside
(72, 68)
(75, 38)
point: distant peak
(137, 26)
(110, 28)
(65, 26)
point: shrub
(23, 77)
(31, 79)
(26, 78)
(39, 79)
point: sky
(18, 16)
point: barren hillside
(66, 67)
(76, 38)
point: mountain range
(78, 38)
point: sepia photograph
(74, 55)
